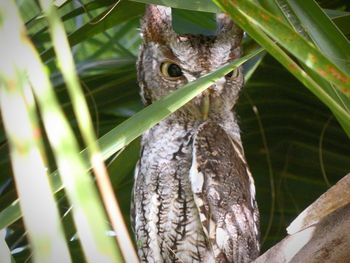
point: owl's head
(168, 60)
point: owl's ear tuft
(156, 24)
(228, 29)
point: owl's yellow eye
(232, 74)
(170, 70)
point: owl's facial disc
(172, 71)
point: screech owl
(194, 197)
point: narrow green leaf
(341, 19)
(244, 20)
(133, 127)
(124, 163)
(282, 11)
(19, 115)
(88, 7)
(26, 156)
(11, 214)
(323, 32)
(273, 8)
(306, 25)
(123, 11)
(88, 213)
(80, 108)
(39, 23)
(289, 39)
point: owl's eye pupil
(170, 70)
(229, 75)
(174, 71)
(232, 74)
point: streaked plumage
(194, 197)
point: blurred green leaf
(123, 163)
(121, 12)
(192, 22)
(323, 32)
(26, 145)
(88, 7)
(341, 19)
(84, 121)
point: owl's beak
(205, 105)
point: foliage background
(294, 145)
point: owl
(193, 197)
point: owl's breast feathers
(224, 194)
(194, 197)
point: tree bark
(321, 233)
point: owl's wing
(224, 193)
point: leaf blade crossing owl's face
(168, 60)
